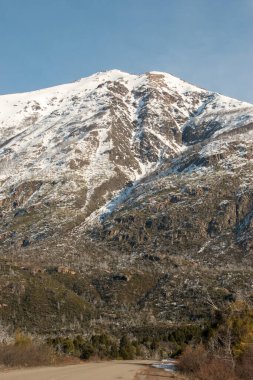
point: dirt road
(114, 370)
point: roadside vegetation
(227, 352)
(102, 346)
(24, 352)
(144, 342)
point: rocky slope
(141, 184)
(198, 204)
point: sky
(48, 42)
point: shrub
(126, 349)
(68, 346)
(193, 359)
(199, 364)
(30, 355)
(87, 350)
(21, 339)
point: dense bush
(126, 349)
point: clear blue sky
(206, 42)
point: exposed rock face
(198, 205)
(118, 172)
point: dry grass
(30, 355)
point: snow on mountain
(89, 138)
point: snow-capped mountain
(88, 139)
(135, 192)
